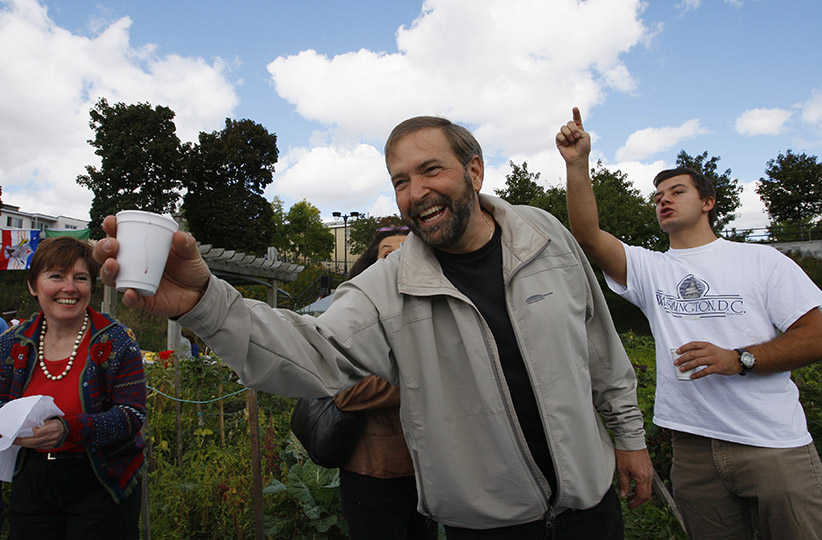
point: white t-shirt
(732, 295)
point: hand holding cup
(182, 282)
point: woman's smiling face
(64, 295)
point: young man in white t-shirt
(743, 457)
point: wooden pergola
(236, 268)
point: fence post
(110, 300)
(178, 409)
(256, 474)
(666, 498)
(144, 503)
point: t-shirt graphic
(692, 301)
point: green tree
(226, 174)
(727, 188)
(141, 161)
(553, 200)
(280, 238)
(792, 193)
(308, 237)
(362, 230)
(521, 185)
(624, 211)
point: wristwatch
(746, 360)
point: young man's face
(435, 194)
(678, 204)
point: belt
(52, 456)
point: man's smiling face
(435, 193)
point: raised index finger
(577, 117)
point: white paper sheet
(18, 418)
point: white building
(11, 217)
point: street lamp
(345, 233)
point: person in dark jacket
(78, 475)
(377, 484)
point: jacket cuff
(631, 442)
(66, 431)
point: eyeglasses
(393, 229)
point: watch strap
(745, 369)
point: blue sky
(736, 78)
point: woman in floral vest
(78, 475)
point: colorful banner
(79, 234)
(18, 247)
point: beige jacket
(403, 320)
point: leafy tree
(623, 211)
(791, 231)
(141, 161)
(553, 200)
(792, 193)
(727, 188)
(280, 238)
(364, 228)
(307, 236)
(226, 174)
(521, 185)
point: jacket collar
(28, 331)
(420, 272)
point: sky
(735, 78)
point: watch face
(748, 360)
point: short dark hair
(61, 253)
(371, 254)
(704, 187)
(462, 142)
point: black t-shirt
(478, 275)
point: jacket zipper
(549, 516)
(525, 453)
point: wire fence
(775, 233)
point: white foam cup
(681, 375)
(145, 240)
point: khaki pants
(733, 491)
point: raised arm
(574, 144)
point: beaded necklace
(42, 357)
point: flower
(19, 353)
(167, 358)
(99, 352)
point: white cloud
(479, 62)
(510, 71)
(751, 212)
(50, 80)
(688, 5)
(649, 141)
(642, 174)
(762, 121)
(332, 177)
(812, 109)
(620, 79)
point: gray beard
(451, 231)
